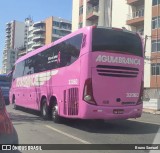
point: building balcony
(30, 42)
(8, 30)
(92, 13)
(56, 35)
(37, 45)
(21, 53)
(4, 54)
(64, 29)
(4, 58)
(38, 30)
(30, 35)
(8, 35)
(136, 19)
(37, 37)
(93, 2)
(7, 42)
(29, 49)
(8, 26)
(135, 2)
(37, 24)
(8, 23)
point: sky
(38, 10)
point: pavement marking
(144, 121)
(68, 135)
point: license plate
(118, 111)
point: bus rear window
(114, 40)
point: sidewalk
(152, 111)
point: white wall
(120, 12)
(147, 31)
(19, 34)
(75, 14)
(84, 13)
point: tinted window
(70, 50)
(60, 55)
(19, 69)
(108, 39)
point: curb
(155, 112)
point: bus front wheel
(14, 103)
(55, 117)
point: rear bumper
(101, 112)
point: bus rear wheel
(44, 109)
(55, 117)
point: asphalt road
(32, 129)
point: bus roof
(64, 38)
(51, 44)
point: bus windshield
(116, 40)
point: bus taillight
(140, 99)
(88, 92)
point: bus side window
(29, 69)
(19, 70)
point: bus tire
(14, 104)
(44, 109)
(55, 117)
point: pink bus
(93, 73)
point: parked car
(8, 134)
(5, 84)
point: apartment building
(142, 16)
(91, 12)
(14, 38)
(47, 31)
(23, 37)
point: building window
(138, 13)
(155, 69)
(155, 22)
(55, 31)
(155, 45)
(155, 2)
(80, 25)
(56, 24)
(81, 10)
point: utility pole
(145, 42)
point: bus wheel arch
(44, 108)
(53, 105)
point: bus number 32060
(132, 95)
